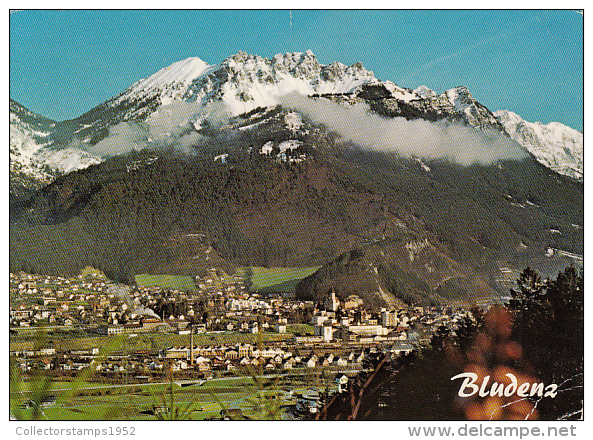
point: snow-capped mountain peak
(554, 145)
(194, 90)
(425, 92)
(244, 81)
(182, 72)
(168, 84)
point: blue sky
(63, 63)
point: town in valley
(214, 331)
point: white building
(319, 320)
(115, 330)
(331, 302)
(368, 330)
(326, 332)
(389, 318)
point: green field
(278, 279)
(301, 329)
(263, 279)
(179, 282)
(91, 271)
(135, 402)
(143, 341)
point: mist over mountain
(408, 137)
(170, 107)
(400, 195)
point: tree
(527, 298)
(550, 328)
(539, 336)
(247, 278)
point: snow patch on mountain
(244, 82)
(67, 160)
(289, 145)
(24, 145)
(31, 152)
(267, 148)
(425, 92)
(554, 145)
(285, 150)
(221, 157)
(293, 121)
(400, 93)
(423, 166)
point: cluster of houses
(219, 303)
(90, 301)
(236, 356)
(201, 359)
(334, 322)
(54, 300)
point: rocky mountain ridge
(42, 149)
(554, 145)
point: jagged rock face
(456, 103)
(554, 145)
(473, 112)
(244, 82)
(425, 92)
(41, 148)
(245, 78)
(390, 100)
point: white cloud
(432, 140)
(171, 126)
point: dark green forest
(140, 213)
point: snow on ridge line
(244, 82)
(515, 118)
(248, 81)
(182, 71)
(555, 145)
